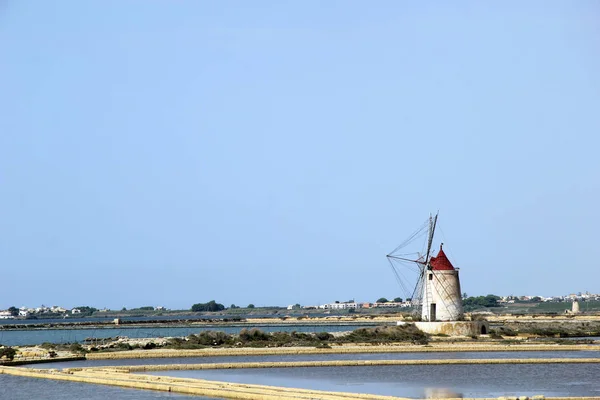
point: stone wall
(454, 328)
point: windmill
(431, 282)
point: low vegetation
(561, 307)
(556, 329)
(387, 334)
(473, 303)
(257, 338)
(7, 353)
(210, 306)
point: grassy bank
(257, 338)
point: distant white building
(25, 311)
(76, 311)
(6, 315)
(340, 306)
(391, 304)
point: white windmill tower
(442, 300)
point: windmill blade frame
(396, 259)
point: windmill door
(432, 316)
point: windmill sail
(410, 267)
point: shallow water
(38, 336)
(21, 388)
(423, 381)
(408, 381)
(166, 318)
(319, 357)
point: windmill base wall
(453, 328)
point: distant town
(398, 303)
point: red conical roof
(441, 262)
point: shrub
(301, 336)
(323, 335)
(8, 352)
(506, 331)
(253, 335)
(76, 348)
(124, 346)
(210, 338)
(179, 343)
(281, 338)
(387, 334)
(494, 334)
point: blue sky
(272, 152)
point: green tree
(250, 305)
(481, 301)
(233, 306)
(210, 306)
(14, 311)
(398, 299)
(382, 300)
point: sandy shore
(355, 349)
(341, 363)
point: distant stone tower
(442, 300)
(575, 307)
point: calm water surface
(407, 381)
(150, 318)
(38, 336)
(424, 381)
(319, 357)
(21, 388)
